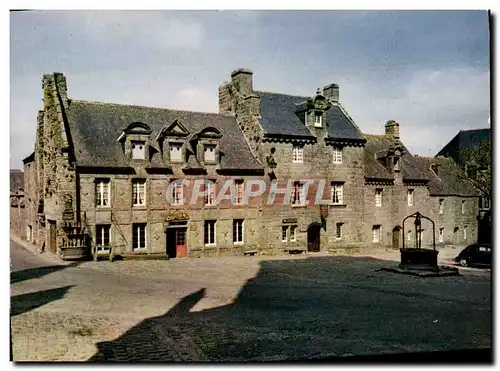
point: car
(475, 255)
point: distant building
(457, 149)
(105, 175)
(465, 139)
(17, 203)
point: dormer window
(318, 119)
(134, 139)
(175, 152)
(138, 150)
(209, 153)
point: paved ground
(240, 309)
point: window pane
(138, 149)
(292, 232)
(283, 233)
(237, 230)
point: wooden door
(313, 238)
(180, 242)
(395, 238)
(52, 236)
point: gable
(175, 129)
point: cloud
(431, 107)
(159, 29)
(428, 70)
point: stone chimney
(62, 88)
(237, 97)
(392, 129)
(331, 92)
(242, 81)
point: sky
(428, 70)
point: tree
(478, 167)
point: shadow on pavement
(28, 274)
(20, 304)
(313, 309)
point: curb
(48, 256)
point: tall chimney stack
(331, 92)
(242, 81)
(392, 129)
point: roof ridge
(474, 129)
(149, 107)
(373, 135)
(277, 93)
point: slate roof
(16, 180)
(449, 181)
(340, 125)
(379, 144)
(278, 116)
(465, 139)
(95, 128)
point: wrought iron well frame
(418, 242)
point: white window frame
(29, 232)
(410, 197)
(209, 225)
(284, 233)
(138, 186)
(239, 188)
(337, 193)
(337, 155)
(441, 206)
(238, 237)
(178, 194)
(378, 197)
(298, 196)
(441, 235)
(297, 154)
(142, 153)
(173, 145)
(102, 229)
(293, 233)
(465, 233)
(136, 227)
(209, 194)
(207, 159)
(318, 119)
(463, 207)
(338, 231)
(376, 233)
(102, 189)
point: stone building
(109, 175)
(458, 149)
(17, 203)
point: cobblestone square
(240, 309)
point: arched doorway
(396, 237)
(313, 237)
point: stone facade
(84, 154)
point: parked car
(476, 254)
